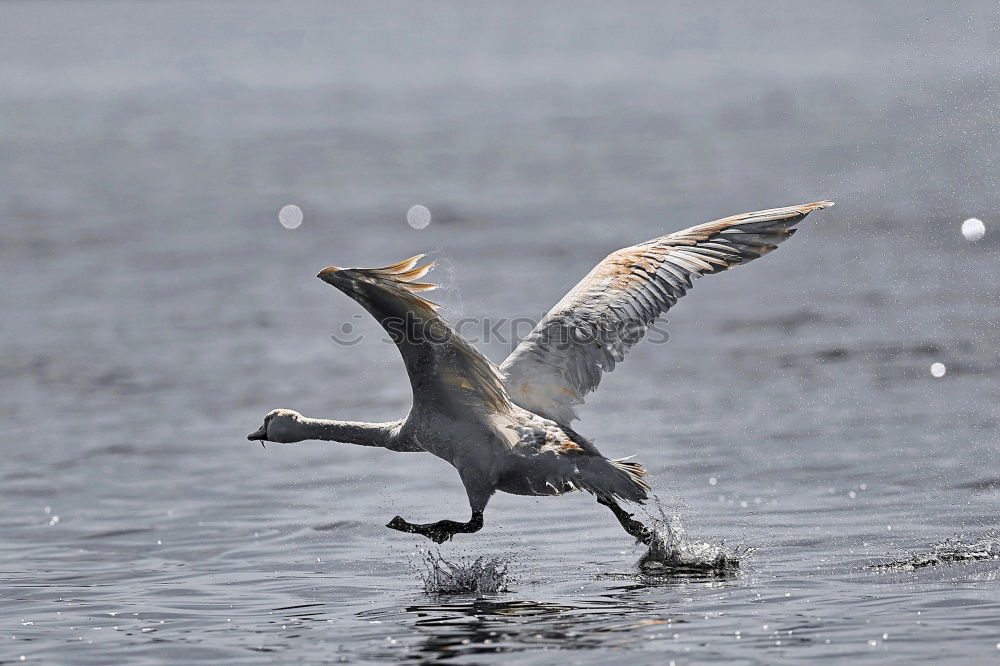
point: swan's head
(280, 426)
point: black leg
(442, 530)
(632, 526)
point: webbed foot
(439, 532)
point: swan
(508, 428)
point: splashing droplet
(290, 216)
(671, 552)
(418, 216)
(938, 369)
(950, 551)
(973, 229)
(482, 575)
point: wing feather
(592, 328)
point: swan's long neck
(350, 432)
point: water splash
(671, 552)
(486, 574)
(950, 551)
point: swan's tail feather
(620, 478)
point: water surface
(155, 310)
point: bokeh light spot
(938, 369)
(290, 216)
(973, 229)
(418, 216)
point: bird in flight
(508, 428)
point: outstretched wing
(445, 370)
(596, 323)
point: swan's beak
(328, 273)
(259, 434)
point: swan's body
(507, 428)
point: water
(671, 552)
(155, 310)
(482, 576)
(949, 551)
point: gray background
(155, 310)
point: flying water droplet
(938, 369)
